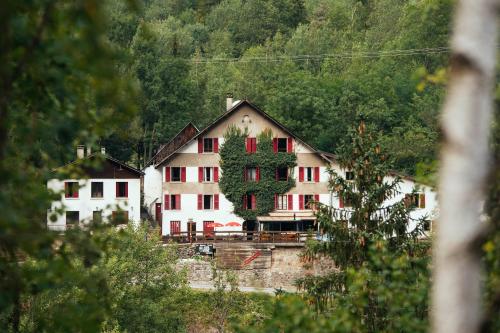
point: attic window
(246, 119)
(282, 145)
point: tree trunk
(465, 159)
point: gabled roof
(107, 157)
(179, 140)
(233, 109)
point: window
(249, 201)
(97, 216)
(282, 145)
(175, 174)
(172, 201)
(415, 200)
(208, 145)
(427, 225)
(282, 174)
(207, 201)
(175, 227)
(349, 175)
(119, 217)
(175, 201)
(96, 189)
(72, 217)
(121, 189)
(251, 174)
(208, 174)
(309, 175)
(282, 202)
(308, 200)
(71, 189)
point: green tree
(59, 88)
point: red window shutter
(254, 201)
(216, 145)
(166, 202)
(178, 201)
(117, 190)
(341, 202)
(183, 174)
(216, 201)
(276, 176)
(76, 191)
(167, 174)
(66, 190)
(316, 174)
(249, 145)
(216, 174)
(316, 197)
(200, 145)
(275, 201)
(200, 174)
(301, 201)
(254, 145)
(245, 202)
(290, 202)
(301, 174)
(257, 174)
(126, 190)
(289, 146)
(422, 200)
(275, 145)
(200, 201)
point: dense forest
(315, 65)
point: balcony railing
(239, 236)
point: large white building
(109, 191)
(181, 183)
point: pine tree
(367, 221)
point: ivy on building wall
(235, 160)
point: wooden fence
(240, 236)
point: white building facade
(111, 192)
(181, 184)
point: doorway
(158, 216)
(191, 231)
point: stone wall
(257, 265)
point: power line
(316, 57)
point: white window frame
(278, 145)
(306, 174)
(211, 201)
(211, 173)
(253, 174)
(282, 202)
(212, 145)
(91, 190)
(172, 174)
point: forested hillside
(315, 65)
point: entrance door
(191, 231)
(208, 229)
(158, 216)
(250, 227)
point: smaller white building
(111, 190)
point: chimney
(80, 151)
(89, 150)
(229, 101)
(103, 150)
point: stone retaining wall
(257, 265)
